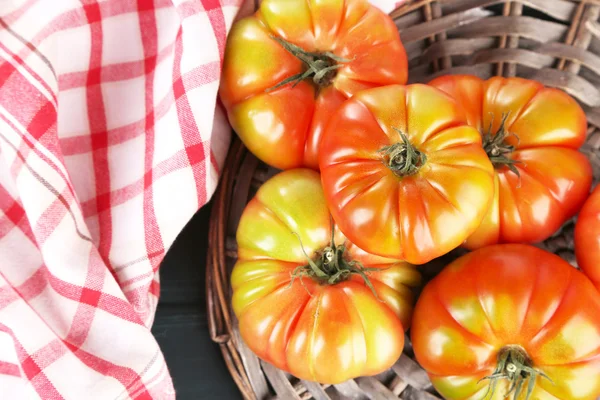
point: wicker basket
(556, 42)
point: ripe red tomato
(352, 44)
(327, 324)
(532, 135)
(587, 237)
(403, 173)
(515, 314)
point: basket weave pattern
(556, 42)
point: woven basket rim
(441, 36)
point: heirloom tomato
(403, 173)
(587, 237)
(290, 65)
(532, 135)
(315, 306)
(510, 321)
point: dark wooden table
(195, 362)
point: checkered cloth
(111, 138)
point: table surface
(181, 327)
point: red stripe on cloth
(196, 153)
(33, 286)
(195, 78)
(40, 382)
(26, 146)
(9, 369)
(66, 198)
(44, 227)
(176, 162)
(83, 144)
(52, 216)
(217, 21)
(189, 128)
(22, 154)
(158, 385)
(44, 357)
(77, 17)
(126, 376)
(148, 30)
(29, 289)
(214, 162)
(155, 287)
(193, 7)
(108, 303)
(136, 279)
(89, 300)
(42, 128)
(18, 12)
(14, 215)
(30, 368)
(112, 72)
(11, 83)
(97, 122)
(139, 297)
(7, 69)
(7, 296)
(42, 121)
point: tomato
(403, 173)
(327, 327)
(516, 311)
(354, 46)
(587, 237)
(532, 135)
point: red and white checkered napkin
(110, 140)
(107, 148)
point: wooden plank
(195, 362)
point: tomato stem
(331, 266)
(402, 157)
(496, 147)
(322, 67)
(516, 367)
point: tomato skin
(503, 295)
(548, 127)
(323, 333)
(417, 217)
(283, 127)
(587, 237)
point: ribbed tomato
(532, 135)
(338, 316)
(510, 317)
(324, 51)
(587, 237)
(403, 173)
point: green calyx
(402, 157)
(514, 366)
(497, 149)
(321, 67)
(331, 266)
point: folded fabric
(111, 138)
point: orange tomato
(587, 237)
(327, 327)
(354, 46)
(403, 173)
(509, 314)
(532, 135)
